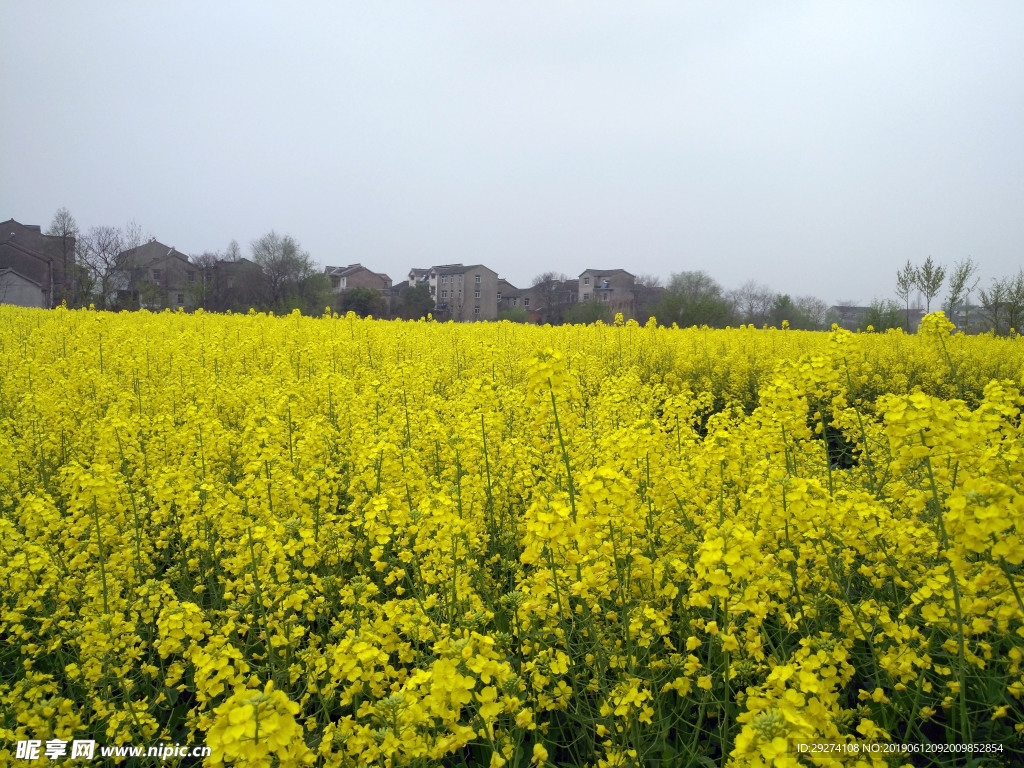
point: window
(476, 294)
(586, 281)
(444, 294)
(444, 278)
(191, 276)
(515, 302)
(476, 310)
(181, 299)
(460, 278)
(156, 275)
(526, 302)
(460, 294)
(477, 280)
(586, 297)
(499, 295)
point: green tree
(884, 314)
(514, 315)
(364, 302)
(805, 313)
(962, 282)
(417, 302)
(693, 298)
(588, 312)
(929, 279)
(906, 282)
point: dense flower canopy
(353, 542)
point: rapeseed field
(345, 542)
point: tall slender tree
(962, 282)
(930, 277)
(65, 227)
(906, 282)
(1015, 301)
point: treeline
(999, 307)
(696, 299)
(276, 274)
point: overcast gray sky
(811, 146)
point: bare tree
(550, 277)
(753, 302)
(647, 291)
(929, 281)
(232, 252)
(813, 312)
(65, 227)
(99, 252)
(289, 275)
(648, 281)
(103, 255)
(200, 286)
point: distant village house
(36, 270)
(156, 276)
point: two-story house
(156, 276)
(550, 300)
(508, 296)
(231, 284)
(344, 279)
(357, 276)
(38, 269)
(614, 287)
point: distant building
(852, 318)
(508, 296)
(21, 291)
(155, 276)
(461, 293)
(614, 287)
(344, 279)
(357, 276)
(970, 318)
(419, 277)
(231, 284)
(550, 300)
(39, 268)
(847, 316)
